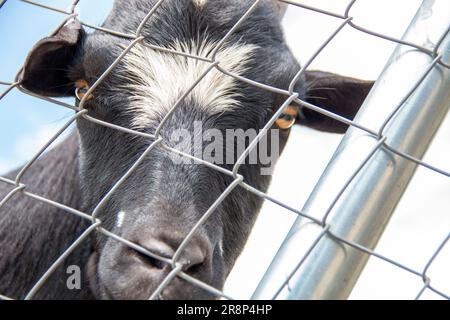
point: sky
(421, 220)
(25, 122)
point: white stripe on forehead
(158, 79)
(199, 3)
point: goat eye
(287, 118)
(82, 87)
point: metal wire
(156, 141)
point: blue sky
(26, 121)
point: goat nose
(192, 256)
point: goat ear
(46, 68)
(338, 94)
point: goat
(160, 202)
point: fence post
(363, 210)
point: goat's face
(166, 194)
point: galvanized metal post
(363, 210)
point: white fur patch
(158, 79)
(221, 247)
(120, 219)
(199, 3)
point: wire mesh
(347, 20)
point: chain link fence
(437, 61)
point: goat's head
(166, 194)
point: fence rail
(329, 266)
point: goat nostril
(192, 268)
(150, 261)
(156, 247)
(193, 257)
